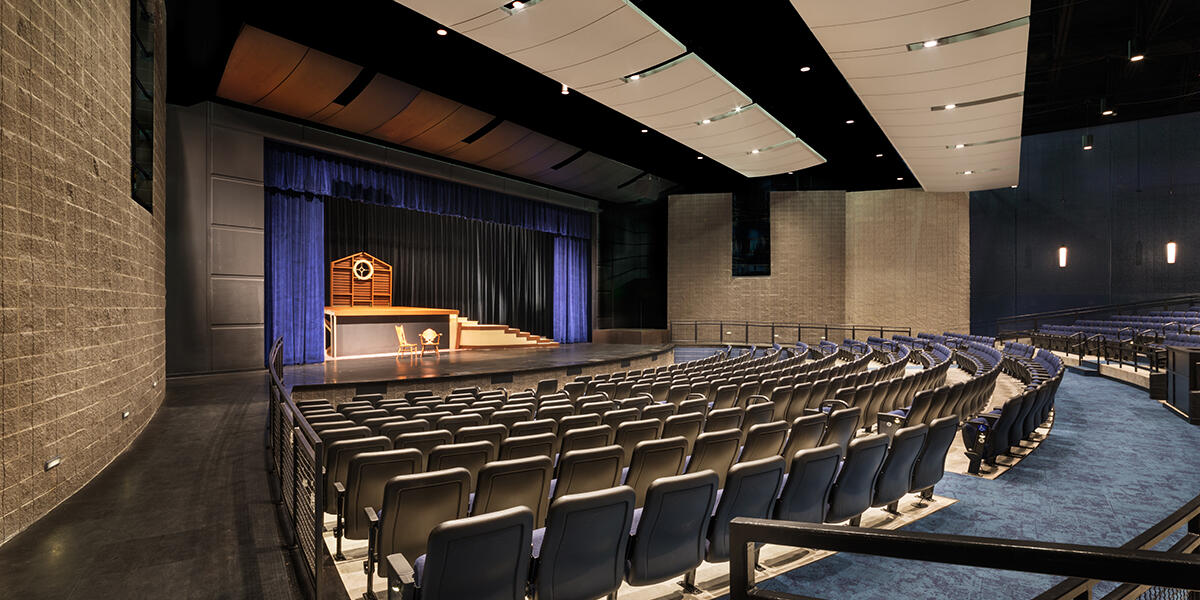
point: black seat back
(582, 554)
(470, 456)
(540, 444)
(715, 451)
(749, 491)
(895, 477)
(522, 428)
(930, 464)
(629, 434)
(652, 459)
(764, 440)
(488, 433)
(586, 437)
(588, 470)
(366, 476)
(724, 418)
(852, 492)
(841, 427)
(806, 433)
(805, 494)
(518, 482)
(508, 417)
(670, 536)
(337, 461)
(658, 411)
(424, 441)
(686, 425)
(484, 557)
(413, 505)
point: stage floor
(479, 361)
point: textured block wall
(908, 259)
(807, 267)
(81, 264)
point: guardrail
(1019, 325)
(295, 466)
(1133, 564)
(767, 332)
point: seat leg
(754, 556)
(856, 521)
(689, 583)
(893, 508)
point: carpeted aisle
(1115, 464)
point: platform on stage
(491, 363)
(374, 330)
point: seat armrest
(990, 417)
(372, 516)
(399, 570)
(339, 488)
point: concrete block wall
(891, 257)
(81, 263)
(908, 259)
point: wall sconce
(1170, 253)
(1062, 257)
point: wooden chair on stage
(405, 346)
(430, 339)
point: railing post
(741, 564)
(746, 334)
(853, 332)
(696, 331)
(773, 332)
(722, 324)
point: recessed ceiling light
(968, 172)
(645, 131)
(517, 5)
(805, 69)
(634, 77)
(951, 106)
(1137, 57)
(790, 172)
(899, 179)
(849, 121)
(1088, 147)
(441, 32)
(565, 89)
(878, 156)
(699, 158)
(754, 151)
(706, 121)
(931, 43)
(1013, 187)
(737, 109)
(1108, 112)
(959, 146)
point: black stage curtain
(491, 273)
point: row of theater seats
(749, 439)
(994, 434)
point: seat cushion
(418, 569)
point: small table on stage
(364, 330)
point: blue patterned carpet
(1115, 463)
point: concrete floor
(184, 512)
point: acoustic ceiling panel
(944, 80)
(615, 54)
(267, 71)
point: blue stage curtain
(320, 174)
(295, 276)
(572, 261)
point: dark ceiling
(1077, 55)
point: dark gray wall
(1115, 207)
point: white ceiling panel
(977, 65)
(592, 46)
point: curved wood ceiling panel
(381, 100)
(424, 111)
(315, 82)
(270, 72)
(448, 134)
(258, 63)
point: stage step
(473, 334)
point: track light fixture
(1087, 141)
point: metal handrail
(1165, 303)
(1086, 565)
(680, 329)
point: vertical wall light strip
(1062, 257)
(1170, 253)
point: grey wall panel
(188, 340)
(236, 301)
(236, 251)
(238, 348)
(236, 202)
(237, 153)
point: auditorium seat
(639, 402)
(652, 459)
(337, 460)
(376, 424)
(725, 397)
(409, 412)
(614, 418)
(328, 417)
(483, 557)
(330, 436)
(556, 411)
(508, 417)
(541, 444)
(581, 552)
(575, 389)
(455, 422)
(395, 428)
(608, 389)
(545, 386)
(320, 428)
(698, 406)
(930, 465)
(763, 440)
(587, 470)
(518, 482)
(852, 492)
(523, 428)
(582, 438)
(630, 433)
(895, 476)
(809, 480)
(724, 418)
(597, 407)
(488, 433)
(413, 505)
(757, 414)
(749, 491)
(366, 476)
(424, 441)
(670, 536)
(658, 411)
(686, 425)
(471, 456)
(715, 451)
(801, 392)
(806, 432)
(660, 390)
(678, 393)
(841, 427)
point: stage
(511, 368)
